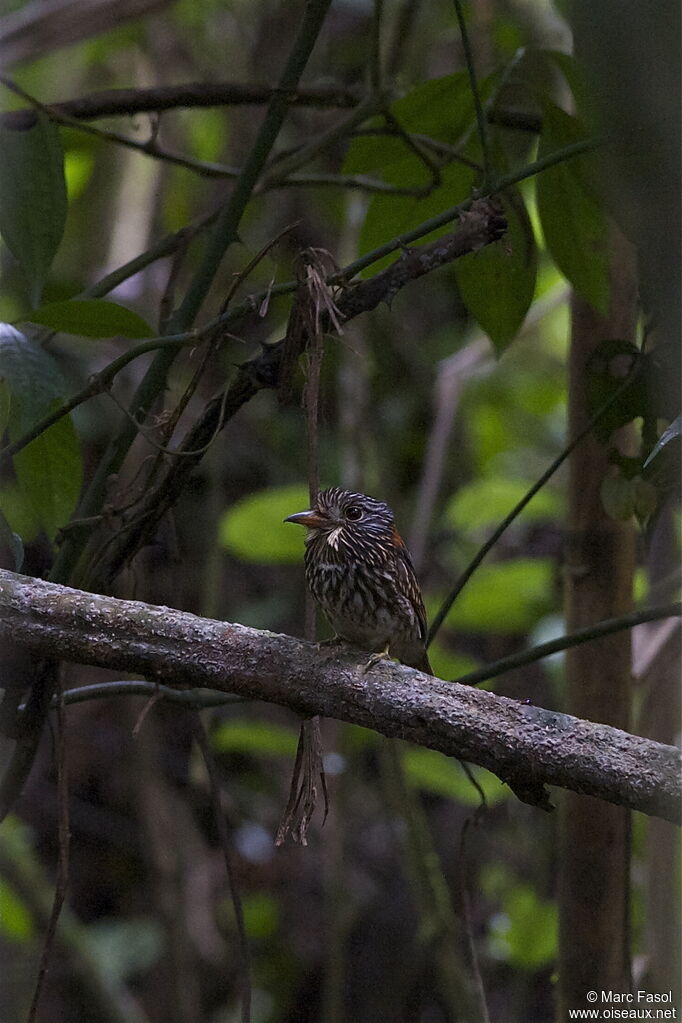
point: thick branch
(526, 746)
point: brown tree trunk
(595, 838)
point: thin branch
(228, 855)
(466, 911)
(520, 505)
(224, 233)
(520, 743)
(225, 230)
(482, 226)
(282, 166)
(427, 882)
(554, 646)
(481, 122)
(189, 95)
(61, 759)
(98, 384)
(196, 699)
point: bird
(361, 574)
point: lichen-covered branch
(526, 746)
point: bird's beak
(311, 519)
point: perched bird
(361, 574)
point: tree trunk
(594, 838)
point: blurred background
(448, 404)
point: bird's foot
(381, 655)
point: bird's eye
(354, 513)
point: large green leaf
(573, 221)
(254, 529)
(49, 471)
(31, 375)
(93, 317)
(498, 282)
(33, 199)
(483, 503)
(507, 598)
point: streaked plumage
(361, 574)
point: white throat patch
(333, 538)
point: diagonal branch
(479, 226)
(526, 746)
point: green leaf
(33, 199)
(525, 933)
(431, 771)
(16, 923)
(94, 317)
(32, 376)
(254, 529)
(442, 109)
(573, 222)
(507, 598)
(49, 471)
(498, 282)
(248, 736)
(389, 216)
(18, 512)
(261, 915)
(483, 503)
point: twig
(227, 223)
(481, 122)
(281, 167)
(223, 234)
(228, 855)
(466, 915)
(196, 699)
(427, 881)
(554, 646)
(126, 102)
(518, 508)
(97, 384)
(61, 755)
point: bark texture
(525, 746)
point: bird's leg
(381, 655)
(336, 640)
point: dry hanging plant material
(313, 310)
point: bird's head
(341, 516)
